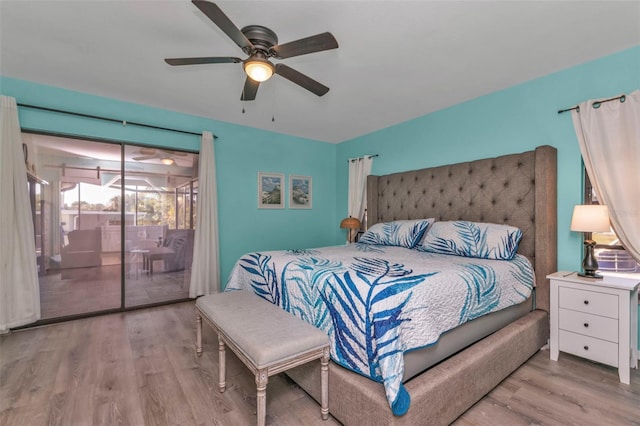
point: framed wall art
(270, 190)
(300, 194)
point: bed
(444, 376)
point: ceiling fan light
(258, 69)
(167, 161)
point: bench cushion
(265, 333)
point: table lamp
(590, 218)
(350, 223)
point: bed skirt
(440, 394)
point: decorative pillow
(401, 233)
(472, 239)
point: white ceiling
(397, 60)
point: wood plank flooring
(139, 368)
(572, 391)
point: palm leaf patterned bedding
(378, 302)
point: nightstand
(595, 319)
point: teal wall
(241, 152)
(512, 120)
(509, 121)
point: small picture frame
(300, 192)
(270, 190)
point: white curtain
(205, 270)
(609, 138)
(19, 291)
(359, 169)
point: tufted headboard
(516, 189)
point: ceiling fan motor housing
(262, 38)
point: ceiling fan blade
(301, 80)
(146, 157)
(218, 17)
(205, 60)
(316, 43)
(179, 153)
(250, 90)
(146, 151)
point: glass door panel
(158, 245)
(78, 259)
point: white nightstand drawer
(591, 302)
(589, 325)
(589, 347)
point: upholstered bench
(266, 338)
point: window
(609, 251)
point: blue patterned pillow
(401, 233)
(472, 239)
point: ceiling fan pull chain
(273, 102)
(242, 97)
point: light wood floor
(139, 368)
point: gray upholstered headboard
(517, 189)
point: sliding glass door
(78, 261)
(158, 247)
(108, 235)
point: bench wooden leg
(222, 368)
(324, 383)
(261, 395)
(198, 334)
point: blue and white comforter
(377, 302)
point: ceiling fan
(261, 43)
(166, 157)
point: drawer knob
(586, 348)
(586, 302)
(586, 325)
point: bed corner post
(372, 200)
(546, 219)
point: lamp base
(589, 263)
(588, 275)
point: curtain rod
(360, 158)
(112, 120)
(595, 104)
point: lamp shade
(590, 218)
(350, 223)
(258, 69)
